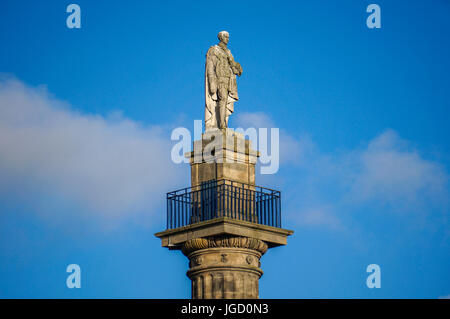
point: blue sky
(86, 117)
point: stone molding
(224, 241)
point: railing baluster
(257, 210)
(213, 201)
(186, 209)
(207, 203)
(209, 200)
(244, 207)
(246, 204)
(241, 216)
(202, 206)
(176, 213)
(198, 204)
(244, 210)
(224, 213)
(273, 210)
(279, 210)
(182, 210)
(174, 220)
(252, 197)
(235, 203)
(169, 217)
(223, 198)
(179, 213)
(275, 199)
(262, 210)
(238, 203)
(183, 213)
(265, 209)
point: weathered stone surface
(222, 154)
(228, 241)
(272, 236)
(220, 83)
(224, 267)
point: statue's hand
(238, 69)
(212, 88)
(214, 96)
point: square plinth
(222, 154)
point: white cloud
(253, 119)
(390, 171)
(393, 172)
(387, 172)
(322, 216)
(292, 150)
(109, 166)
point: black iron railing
(223, 198)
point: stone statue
(220, 83)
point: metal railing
(223, 198)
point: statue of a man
(220, 83)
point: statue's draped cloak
(212, 59)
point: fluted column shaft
(224, 267)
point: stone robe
(220, 73)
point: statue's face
(225, 38)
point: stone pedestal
(224, 252)
(222, 154)
(226, 156)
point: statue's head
(224, 36)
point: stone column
(224, 267)
(223, 239)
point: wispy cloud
(108, 166)
(387, 172)
(253, 119)
(391, 171)
(320, 216)
(292, 149)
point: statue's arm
(211, 73)
(235, 66)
